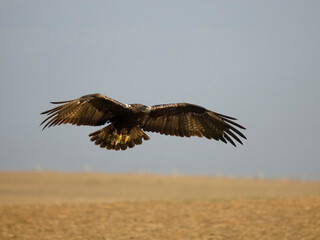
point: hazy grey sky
(258, 61)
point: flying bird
(127, 122)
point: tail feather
(112, 138)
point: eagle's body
(134, 117)
(128, 120)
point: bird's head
(140, 108)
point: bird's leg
(124, 135)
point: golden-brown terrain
(122, 206)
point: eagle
(127, 122)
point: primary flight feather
(128, 120)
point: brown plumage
(128, 120)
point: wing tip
(60, 102)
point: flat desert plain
(96, 206)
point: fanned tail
(112, 138)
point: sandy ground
(109, 206)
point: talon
(119, 138)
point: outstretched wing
(186, 120)
(94, 109)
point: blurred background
(258, 61)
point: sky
(258, 61)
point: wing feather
(181, 124)
(166, 129)
(188, 126)
(206, 127)
(229, 139)
(172, 129)
(197, 129)
(184, 119)
(94, 109)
